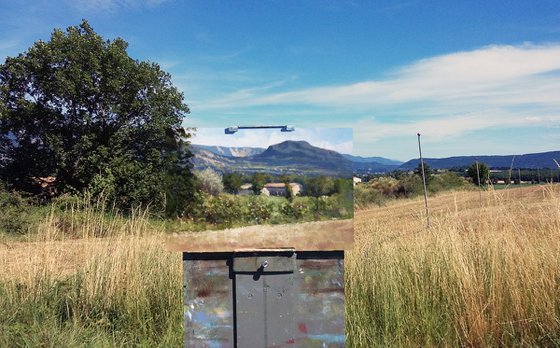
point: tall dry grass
(90, 277)
(486, 273)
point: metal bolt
(265, 264)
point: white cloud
(440, 128)
(443, 96)
(493, 70)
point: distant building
(279, 189)
(245, 190)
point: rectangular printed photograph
(271, 187)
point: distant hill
(371, 165)
(289, 157)
(231, 151)
(219, 157)
(378, 160)
(306, 157)
(362, 168)
(526, 161)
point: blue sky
(474, 77)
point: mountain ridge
(288, 157)
(228, 151)
(525, 161)
(219, 157)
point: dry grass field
(486, 273)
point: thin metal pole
(478, 178)
(424, 182)
(510, 169)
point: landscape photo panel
(281, 187)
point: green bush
(15, 213)
(258, 209)
(403, 185)
(298, 209)
(222, 210)
(365, 195)
(447, 181)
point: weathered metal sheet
(208, 304)
(297, 300)
(320, 303)
(264, 264)
(264, 295)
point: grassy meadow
(486, 273)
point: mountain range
(301, 157)
(526, 161)
(288, 157)
(232, 151)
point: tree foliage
(428, 171)
(210, 181)
(232, 182)
(78, 109)
(318, 186)
(258, 180)
(476, 171)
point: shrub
(365, 195)
(210, 181)
(222, 210)
(258, 209)
(15, 214)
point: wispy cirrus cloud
(439, 128)
(8, 47)
(113, 5)
(455, 94)
(490, 74)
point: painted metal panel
(264, 292)
(265, 263)
(296, 301)
(320, 302)
(208, 304)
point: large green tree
(78, 110)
